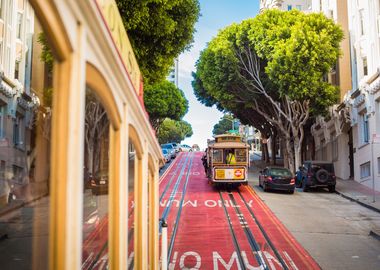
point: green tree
(224, 125)
(159, 31)
(273, 66)
(174, 131)
(164, 100)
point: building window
(18, 131)
(365, 170)
(299, 7)
(2, 120)
(19, 25)
(365, 66)
(361, 14)
(364, 128)
(377, 115)
(289, 7)
(17, 70)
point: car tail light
(93, 183)
(292, 181)
(269, 178)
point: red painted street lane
(210, 228)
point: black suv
(316, 174)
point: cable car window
(217, 155)
(241, 155)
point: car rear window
(327, 167)
(167, 146)
(280, 172)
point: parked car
(99, 183)
(176, 146)
(166, 155)
(195, 147)
(185, 148)
(316, 174)
(170, 148)
(277, 178)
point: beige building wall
(332, 136)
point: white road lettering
(217, 258)
(187, 254)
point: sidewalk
(349, 189)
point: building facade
(17, 100)
(173, 73)
(333, 134)
(301, 5)
(363, 100)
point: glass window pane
(25, 128)
(131, 204)
(96, 176)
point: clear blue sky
(216, 14)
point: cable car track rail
(175, 189)
(247, 231)
(268, 240)
(177, 220)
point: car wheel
(331, 188)
(322, 176)
(305, 188)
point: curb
(357, 201)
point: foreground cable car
(226, 160)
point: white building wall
(364, 26)
(302, 5)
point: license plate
(102, 182)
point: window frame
(365, 170)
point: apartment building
(333, 135)
(173, 73)
(302, 5)
(16, 98)
(363, 100)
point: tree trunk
(267, 159)
(274, 148)
(90, 159)
(285, 153)
(290, 150)
(297, 152)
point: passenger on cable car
(230, 158)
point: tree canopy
(224, 125)
(269, 70)
(159, 31)
(164, 100)
(174, 131)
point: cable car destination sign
(114, 22)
